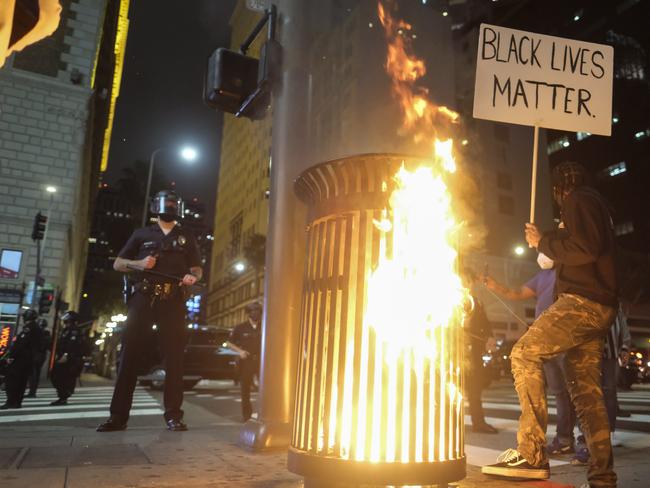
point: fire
(414, 297)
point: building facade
(56, 106)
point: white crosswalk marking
(87, 402)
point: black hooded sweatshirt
(584, 251)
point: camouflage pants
(576, 326)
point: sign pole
(534, 177)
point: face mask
(544, 261)
(167, 217)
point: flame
(414, 297)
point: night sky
(160, 102)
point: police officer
(164, 248)
(20, 360)
(44, 343)
(68, 361)
(245, 340)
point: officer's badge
(182, 240)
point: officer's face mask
(167, 217)
(544, 261)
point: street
(58, 447)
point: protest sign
(546, 81)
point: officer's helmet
(70, 318)
(30, 315)
(42, 323)
(167, 204)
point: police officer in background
(44, 345)
(68, 361)
(246, 340)
(162, 248)
(20, 360)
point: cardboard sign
(532, 79)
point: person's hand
(623, 357)
(188, 280)
(489, 282)
(63, 359)
(147, 263)
(243, 354)
(533, 235)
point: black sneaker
(511, 464)
(558, 447)
(111, 425)
(60, 401)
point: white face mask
(544, 261)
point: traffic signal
(45, 302)
(40, 223)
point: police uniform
(44, 344)
(21, 353)
(248, 338)
(160, 301)
(71, 345)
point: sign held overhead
(545, 81)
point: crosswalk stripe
(72, 407)
(73, 415)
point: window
(10, 261)
(506, 205)
(504, 181)
(642, 134)
(557, 145)
(580, 136)
(235, 235)
(530, 313)
(615, 169)
(624, 228)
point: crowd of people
(23, 363)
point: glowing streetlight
(239, 267)
(50, 189)
(519, 250)
(189, 153)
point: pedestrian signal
(40, 223)
(45, 302)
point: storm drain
(8, 456)
(62, 456)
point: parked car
(206, 357)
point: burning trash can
(378, 396)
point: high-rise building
(57, 100)
(353, 111)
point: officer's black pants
(64, 378)
(35, 377)
(169, 317)
(475, 381)
(17, 377)
(248, 368)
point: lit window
(615, 119)
(642, 134)
(624, 228)
(616, 169)
(582, 135)
(558, 144)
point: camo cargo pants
(576, 326)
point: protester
(246, 340)
(541, 287)
(576, 324)
(478, 338)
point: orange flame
(421, 116)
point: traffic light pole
(38, 272)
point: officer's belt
(162, 291)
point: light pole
(187, 153)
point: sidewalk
(60, 455)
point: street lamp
(519, 250)
(186, 153)
(50, 189)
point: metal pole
(286, 239)
(534, 176)
(145, 209)
(38, 272)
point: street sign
(544, 81)
(258, 5)
(8, 295)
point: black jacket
(584, 251)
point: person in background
(20, 360)
(246, 340)
(42, 347)
(68, 362)
(478, 339)
(541, 287)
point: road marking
(73, 415)
(73, 407)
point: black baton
(161, 275)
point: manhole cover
(8, 456)
(121, 454)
